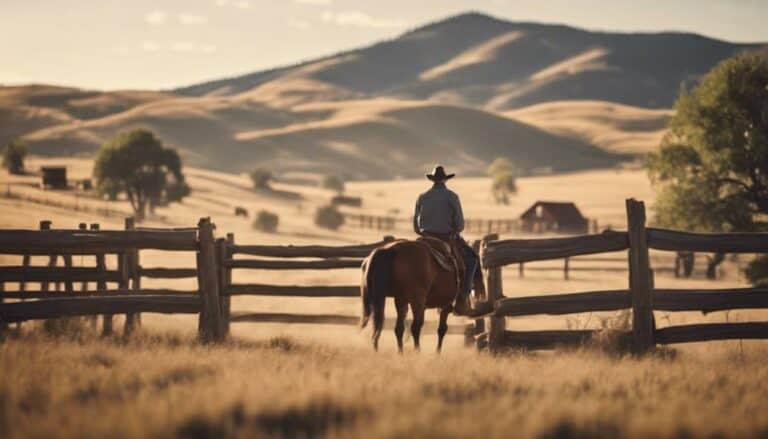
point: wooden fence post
(520, 270)
(225, 278)
(44, 225)
(639, 278)
(493, 286)
(3, 325)
(565, 269)
(127, 274)
(210, 326)
(101, 264)
(476, 326)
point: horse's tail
(376, 283)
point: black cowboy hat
(439, 174)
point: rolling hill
(361, 139)
(612, 127)
(461, 91)
(474, 59)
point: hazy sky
(155, 44)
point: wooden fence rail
(128, 298)
(641, 296)
(218, 259)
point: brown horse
(407, 271)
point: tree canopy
(136, 163)
(712, 167)
(261, 177)
(711, 170)
(504, 180)
(13, 156)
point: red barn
(552, 216)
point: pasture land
(165, 385)
(303, 380)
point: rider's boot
(461, 306)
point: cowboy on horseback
(438, 214)
(423, 273)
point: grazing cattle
(241, 211)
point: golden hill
(612, 127)
(379, 138)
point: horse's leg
(443, 327)
(418, 321)
(402, 311)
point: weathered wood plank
(168, 273)
(87, 242)
(73, 306)
(210, 326)
(294, 265)
(293, 290)
(512, 251)
(39, 294)
(494, 289)
(324, 319)
(712, 331)
(306, 251)
(555, 304)
(710, 300)
(672, 240)
(640, 279)
(57, 274)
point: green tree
(503, 185)
(13, 157)
(136, 163)
(261, 177)
(501, 166)
(334, 183)
(711, 171)
(504, 181)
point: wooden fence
(292, 258)
(216, 260)
(372, 222)
(641, 296)
(128, 297)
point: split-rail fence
(641, 296)
(218, 261)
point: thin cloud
(156, 18)
(190, 19)
(314, 2)
(243, 4)
(360, 19)
(177, 46)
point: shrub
(13, 157)
(261, 178)
(266, 221)
(328, 217)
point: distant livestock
(241, 211)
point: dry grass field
(274, 380)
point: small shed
(346, 200)
(54, 177)
(554, 216)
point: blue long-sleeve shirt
(438, 210)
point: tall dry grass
(170, 386)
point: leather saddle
(447, 256)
